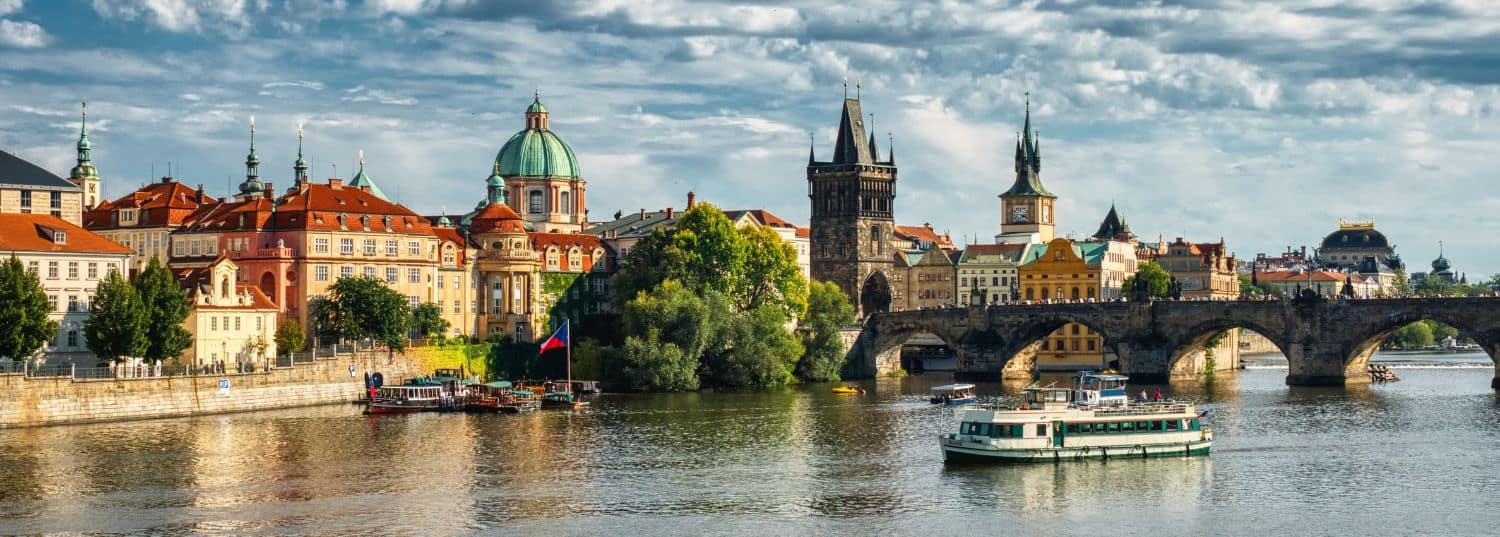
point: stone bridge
(1326, 342)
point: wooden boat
(405, 399)
(954, 395)
(845, 390)
(1095, 420)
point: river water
(1412, 457)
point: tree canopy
(366, 307)
(166, 306)
(428, 320)
(116, 327)
(1153, 275)
(828, 310)
(289, 337)
(24, 306)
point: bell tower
(1026, 208)
(853, 202)
(84, 175)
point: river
(1411, 457)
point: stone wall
(28, 402)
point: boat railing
(1141, 409)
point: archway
(1220, 345)
(875, 294)
(268, 286)
(1058, 343)
(1432, 332)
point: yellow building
(1065, 271)
(1202, 269)
(231, 322)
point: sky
(1261, 123)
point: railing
(1172, 407)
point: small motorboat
(953, 395)
(563, 400)
(845, 390)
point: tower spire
(891, 141)
(252, 187)
(299, 169)
(85, 168)
(812, 146)
(874, 150)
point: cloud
(22, 34)
(359, 94)
(11, 6)
(178, 15)
(305, 84)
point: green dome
(537, 153)
(536, 107)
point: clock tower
(1026, 209)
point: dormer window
(59, 237)
(127, 216)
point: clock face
(1019, 214)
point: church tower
(1026, 209)
(853, 202)
(84, 175)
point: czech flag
(558, 340)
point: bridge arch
(1018, 353)
(1196, 338)
(1368, 340)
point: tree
(828, 310)
(24, 307)
(1435, 286)
(372, 310)
(290, 337)
(704, 252)
(327, 320)
(757, 351)
(1154, 275)
(1441, 332)
(166, 306)
(677, 315)
(650, 364)
(770, 274)
(428, 320)
(116, 327)
(1413, 336)
(1402, 286)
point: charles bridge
(1327, 342)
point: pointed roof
(1113, 226)
(361, 180)
(850, 147)
(18, 172)
(85, 168)
(1028, 162)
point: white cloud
(177, 15)
(11, 6)
(23, 34)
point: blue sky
(1263, 123)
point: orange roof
(163, 203)
(35, 232)
(804, 232)
(763, 216)
(1293, 276)
(566, 240)
(923, 233)
(313, 207)
(448, 234)
(497, 217)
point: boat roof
(1100, 376)
(499, 384)
(520, 392)
(952, 387)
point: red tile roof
(1292, 276)
(923, 233)
(761, 215)
(163, 203)
(34, 233)
(315, 207)
(497, 217)
(448, 234)
(804, 232)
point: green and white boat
(1093, 420)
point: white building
(230, 322)
(70, 261)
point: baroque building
(853, 202)
(231, 322)
(541, 175)
(144, 219)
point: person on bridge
(1157, 394)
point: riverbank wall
(27, 401)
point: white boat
(953, 395)
(1092, 420)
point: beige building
(231, 322)
(989, 273)
(927, 278)
(70, 261)
(144, 220)
(26, 188)
(1202, 269)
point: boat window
(1143, 426)
(1072, 428)
(1195, 424)
(1041, 429)
(1114, 427)
(1128, 427)
(1172, 425)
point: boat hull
(953, 453)
(397, 409)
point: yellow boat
(846, 390)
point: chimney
(643, 214)
(270, 191)
(200, 194)
(669, 213)
(691, 198)
(166, 179)
(365, 188)
(335, 182)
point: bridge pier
(1312, 364)
(1144, 363)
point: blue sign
(224, 385)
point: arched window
(875, 240)
(1075, 293)
(552, 258)
(224, 288)
(534, 202)
(575, 259)
(567, 208)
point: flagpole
(569, 346)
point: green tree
(770, 275)
(678, 316)
(703, 251)
(24, 306)
(828, 310)
(290, 337)
(428, 320)
(327, 319)
(116, 327)
(372, 310)
(1441, 332)
(757, 351)
(1435, 286)
(650, 364)
(1402, 286)
(1413, 336)
(166, 306)
(1152, 273)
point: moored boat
(405, 399)
(1094, 420)
(954, 395)
(556, 400)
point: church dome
(1441, 264)
(536, 151)
(497, 218)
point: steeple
(364, 182)
(891, 156)
(1113, 227)
(1028, 161)
(299, 168)
(252, 187)
(850, 147)
(874, 150)
(812, 146)
(85, 168)
(536, 114)
(495, 186)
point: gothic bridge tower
(1026, 208)
(853, 202)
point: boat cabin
(953, 394)
(1046, 398)
(1093, 389)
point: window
(414, 301)
(93, 271)
(259, 324)
(552, 258)
(72, 270)
(112, 267)
(413, 275)
(52, 300)
(177, 248)
(534, 202)
(575, 259)
(440, 281)
(25, 201)
(369, 246)
(52, 270)
(1041, 429)
(59, 237)
(457, 305)
(346, 246)
(346, 271)
(321, 273)
(1075, 329)
(392, 248)
(194, 249)
(72, 338)
(1075, 345)
(414, 248)
(473, 306)
(390, 275)
(369, 272)
(1092, 345)
(236, 322)
(320, 245)
(57, 204)
(34, 266)
(963, 282)
(213, 323)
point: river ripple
(1413, 457)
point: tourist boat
(845, 390)
(405, 399)
(954, 394)
(555, 400)
(1093, 420)
(488, 397)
